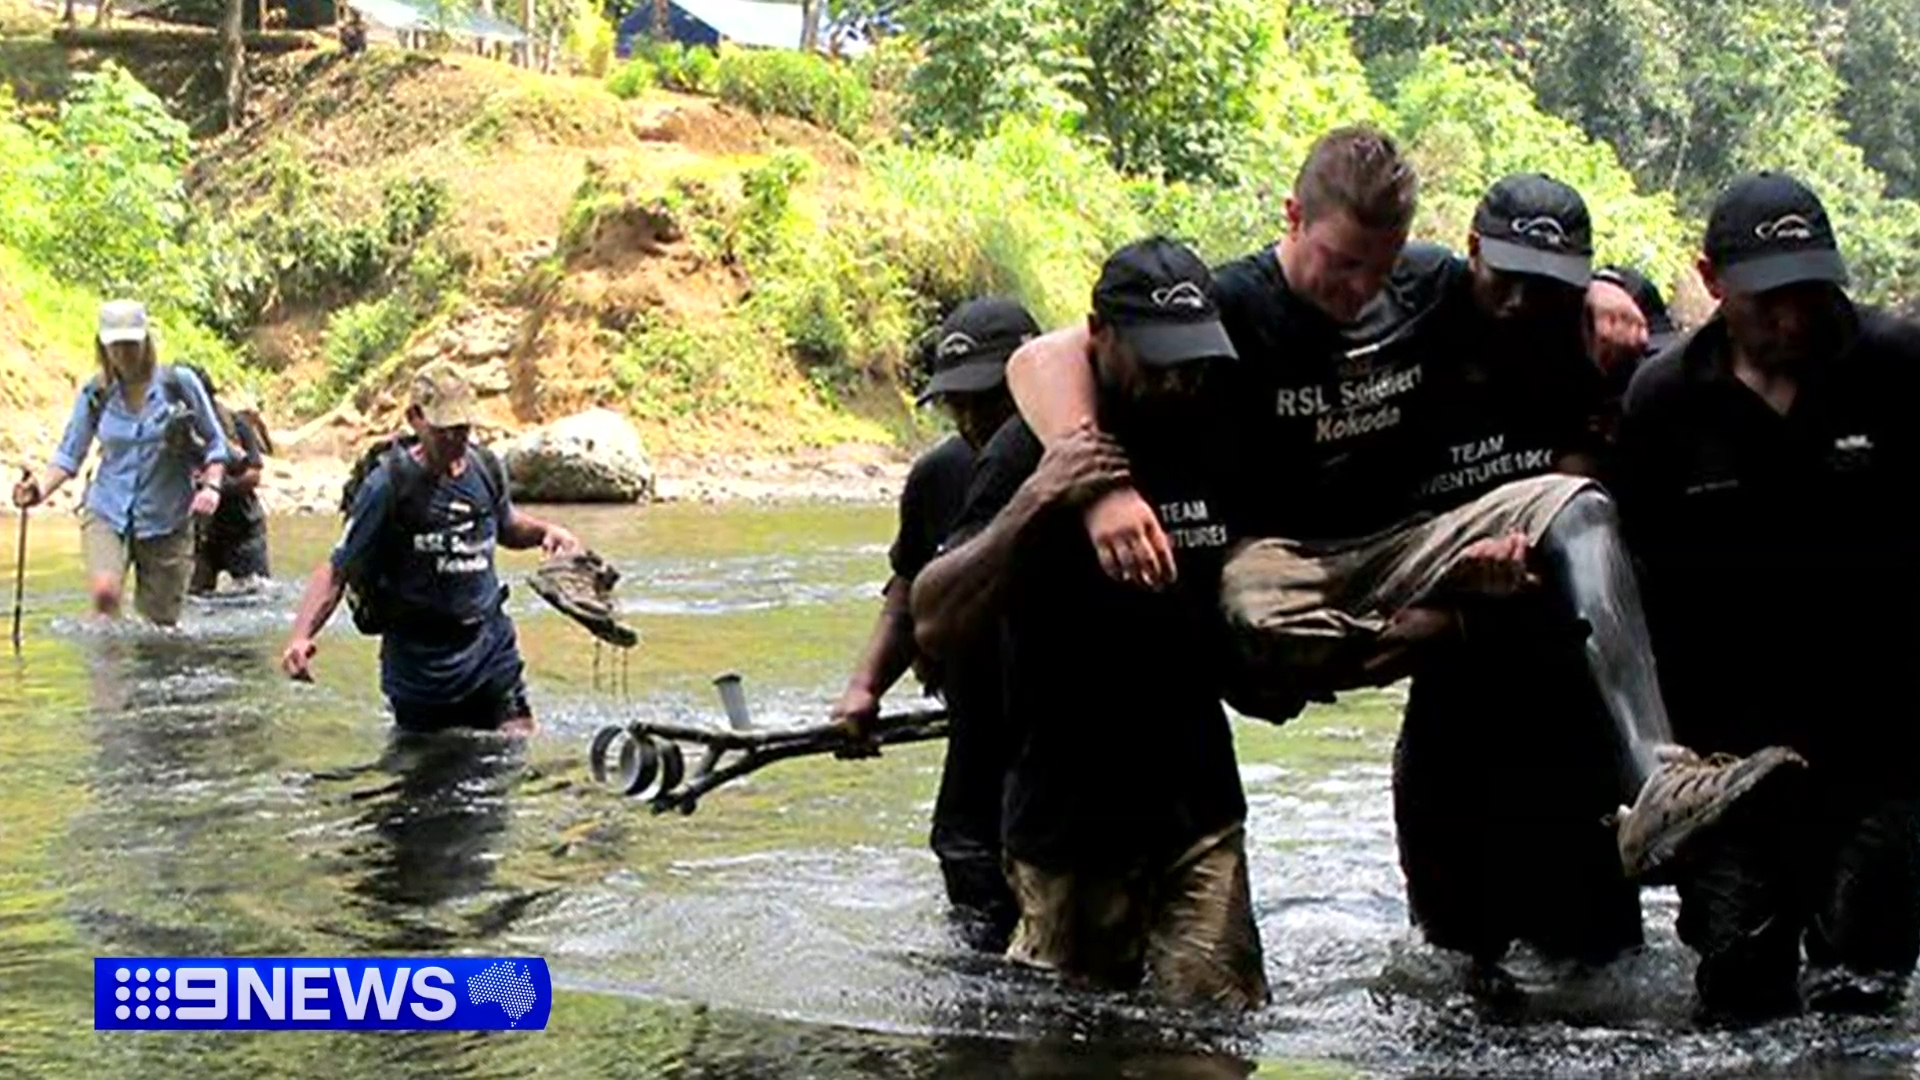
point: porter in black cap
(1158, 296)
(1768, 230)
(1534, 224)
(970, 352)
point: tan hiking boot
(580, 586)
(1686, 795)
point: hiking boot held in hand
(580, 586)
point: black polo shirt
(1328, 416)
(966, 812)
(935, 490)
(1777, 557)
(1124, 755)
(1510, 399)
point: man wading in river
(1123, 824)
(418, 551)
(1768, 466)
(1518, 396)
(1326, 416)
(969, 360)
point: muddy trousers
(1502, 775)
(1825, 869)
(1306, 616)
(1186, 931)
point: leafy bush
(297, 250)
(25, 163)
(632, 79)
(887, 66)
(361, 335)
(785, 83)
(110, 191)
(1027, 212)
(1220, 223)
(589, 40)
(670, 370)
(692, 69)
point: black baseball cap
(969, 352)
(1530, 223)
(1159, 296)
(1768, 230)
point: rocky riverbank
(844, 474)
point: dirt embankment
(538, 328)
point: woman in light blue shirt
(161, 461)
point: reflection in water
(168, 792)
(430, 834)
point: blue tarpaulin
(756, 23)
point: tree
(985, 60)
(810, 25)
(233, 63)
(1169, 85)
(1879, 53)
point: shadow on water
(168, 793)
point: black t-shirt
(1328, 415)
(1511, 401)
(1778, 561)
(935, 491)
(239, 514)
(434, 561)
(967, 809)
(1124, 755)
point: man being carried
(1123, 824)
(1766, 469)
(969, 359)
(1354, 579)
(418, 548)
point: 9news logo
(311, 994)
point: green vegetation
(766, 81)
(997, 145)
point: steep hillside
(561, 235)
(569, 247)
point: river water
(168, 793)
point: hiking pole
(20, 568)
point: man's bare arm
(957, 593)
(1052, 383)
(888, 654)
(317, 604)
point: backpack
(181, 436)
(370, 603)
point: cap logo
(1544, 229)
(1787, 227)
(956, 344)
(1184, 294)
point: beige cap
(444, 396)
(122, 320)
